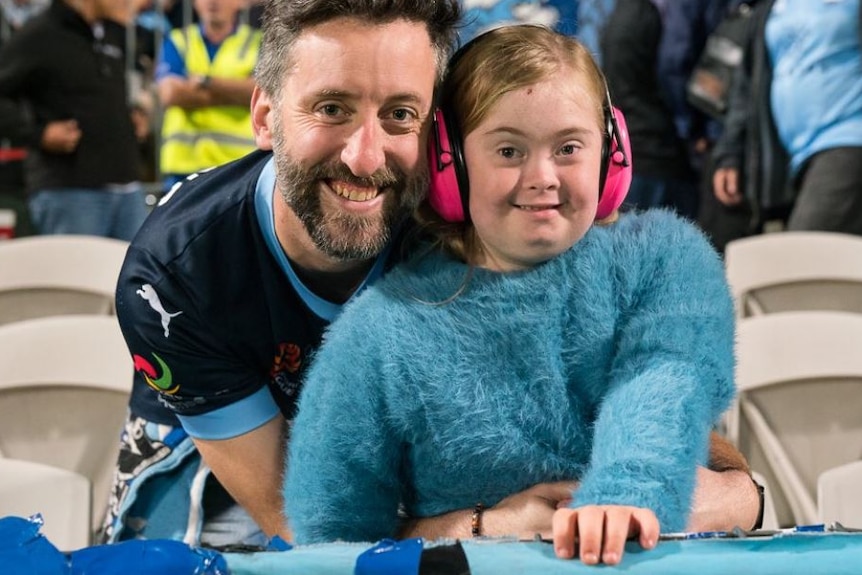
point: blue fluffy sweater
(607, 364)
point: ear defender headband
(449, 186)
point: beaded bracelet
(476, 519)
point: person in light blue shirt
(794, 130)
(817, 67)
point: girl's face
(533, 165)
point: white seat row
(798, 299)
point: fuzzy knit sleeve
(672, 373)
(341, 478)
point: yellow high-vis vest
(193, 140)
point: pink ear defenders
(448, 182)
(449, 185)
(616, 175)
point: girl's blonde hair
(480, 73)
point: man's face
(349, 132)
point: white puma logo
(148, 293)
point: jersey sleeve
(183, 363)
(672, 375)
(342, 477)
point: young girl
(531, 343)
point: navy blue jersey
(219, 327)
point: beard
(342, 235)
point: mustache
(382, 178)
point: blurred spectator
(630, 47)
(724, 223)
(142, 120)
(793, 132)
(584, 18)
(67, 66)
(13, 204)
(205, 83)
(592, 18)
(151, 15)
(686, 26)
(179, 13)
(14, 13)
(482, 15)
(151, 25)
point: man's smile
(353, 192)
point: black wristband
(760, 494)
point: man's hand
(61, 136)
(523, 514)
(723, 500)
(528, 512)
(601, 532)
(725, 496)
(725, 185)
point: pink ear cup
(443, 193)
(619, 176)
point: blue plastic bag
(148, 557)
(25, 551)
(390, 557)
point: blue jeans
(162, 491)
(114, 213)
(226, 522)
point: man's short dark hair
(285, 20)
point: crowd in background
(185, 69)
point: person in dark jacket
(687, 25)
(630, 47)
(14, 215)
(82, 164)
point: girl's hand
(601, 531)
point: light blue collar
(263, 199)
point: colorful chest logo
(149, 294)
(163, 383)
(287, 358)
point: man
(82, 159)
(204, 82)
(226, 292)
